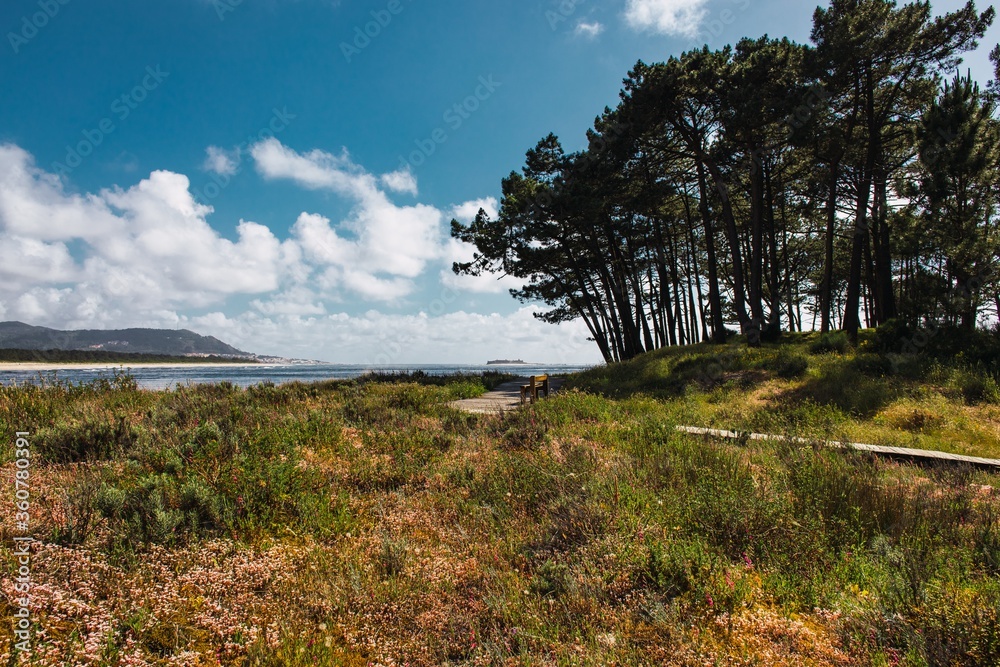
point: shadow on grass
(671, 372)
(846, 387)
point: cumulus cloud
(221, 161)
(147, 248)
(458, 251)
(666, 17)
(588, 30)
(380, 245)
(315, 169)
(401, 180)
(467, 211)
(376, 338)
(146, 255)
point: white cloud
(588, 30)
(667, 17)
(316, 170)
(467, 211)
(221, 161)
(298, 300)
(146, 255)
(379, 245)
(144, 249)
(376, 338)
(401, 180)
(458, 251)
(34, 205)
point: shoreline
(34, 366)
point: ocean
(244, 376)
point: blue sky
(281, 173)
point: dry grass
(373, 525)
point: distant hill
(176, 342)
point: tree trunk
(885, 298)
(739, 290)
(852, 305)
(826, 288)
(852, 320)
(774, 284)
(661, 268)
(756, 253)
(714, 295)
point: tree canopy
(766, 187)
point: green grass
(814, 386)
(352, 523)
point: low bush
(521, 429)
(894, 336)
(790, 365)
(875, 365)
(975, 386)
(832, 341)
(677, 567)
(553, 579)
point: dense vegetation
(770, 186)
(99, 356)
(368, 522)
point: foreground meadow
(369, 523)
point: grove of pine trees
(770, 186)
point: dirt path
(504, 398)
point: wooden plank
(899, 453)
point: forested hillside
(174, 342)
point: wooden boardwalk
(504, 398)
(896, 453)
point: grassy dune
(817, 386)
(367, 523)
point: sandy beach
(39, 367)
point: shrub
(832, 341)
(552, 579)
(892, 336)
(874, 365)
(111, 502)
(677, 567)
(203, 510)
(391, 558)
(975, 386)
(155, 511)
(465, 389)
(521, 429)
(791, 365)
(81, 501)
(93, 439)
(145, 516)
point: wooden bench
(537, 383)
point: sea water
(244, 376)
